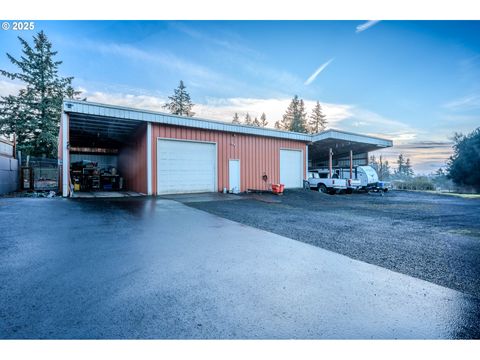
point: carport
(342, 149)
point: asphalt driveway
(155, 268)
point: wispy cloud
(465, 103)
(426, 157)
(10, 87)
(367, 25)
(317, 72)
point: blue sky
(416, 82)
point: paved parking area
(431, 237)
(154, 268)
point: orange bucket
(277, 188)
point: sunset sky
(415, 82)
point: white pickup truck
(319, 180)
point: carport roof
(118, 123)
(341, 142)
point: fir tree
(295, 118)
(33, 115)
(383, 169)
(236, 119)
(400, 170)
(408, 168)
(263, 120)
(255, 122)
(248, 119)
(464, 164)
(404, 167)
(318, 120)
(180, 103)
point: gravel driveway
(431, 237)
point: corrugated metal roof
(93, 110)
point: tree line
(402, 171)
(294, 119)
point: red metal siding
(132, 162)
(258, 155)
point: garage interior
(102, 156)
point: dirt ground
(427, 236)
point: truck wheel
(322, 188)
(349, 191)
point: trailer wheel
(322, 188)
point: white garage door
(185, 167)
(291, 168)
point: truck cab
(320, 180)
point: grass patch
(463, 196)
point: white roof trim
(120, 112)
(348, 136)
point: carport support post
(330, 153)
(149, 158)
(351, 164)
(65, 156)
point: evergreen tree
(464, 164)
(180, 103)
(278, 125)
(383, 169)
(256, 122)
(248, 119)
(263, 120)
(408, 168)
(400, 170)
(318, 120)
(404, 167)
(295, 118)
(33, 115)
(236, 119)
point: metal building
(158, 153)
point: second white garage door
(291, 168)
(185, 166)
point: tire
(349, 191)
(322, 188)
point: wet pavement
(155, 268)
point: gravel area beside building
(431, 237)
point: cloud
(469, 102)
(274, 108)
(317, 72)
(368, 122)
(164, 58)
(366, 25)
(426, 156)
(10, 87)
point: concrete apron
(177, 272)
(242, 282)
